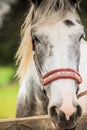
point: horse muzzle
(66, 116)
(60, 121)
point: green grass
(8, 92)
(8, 99)
(6, 74)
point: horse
(52, 63)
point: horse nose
(68, 109)
(61, 113)
(64, 119)
(69, 105)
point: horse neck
(83, 65)
(83, 72)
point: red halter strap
(63, 73)
(82, 94)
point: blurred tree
(83, 14)
(12, 14)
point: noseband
(63, 73)
(56, 74)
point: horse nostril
(52, 111)
(78, 112)
(53, 115)
(72, 117)
(62, 116)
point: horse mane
(24, 53)
(48, 11)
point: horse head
(56, 33)
(56, 45)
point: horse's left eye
(81, 37)
(35, 41)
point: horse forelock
(52, 10)
(48, 11)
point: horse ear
(36, 2)
(74, 1)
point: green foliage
(8, 99)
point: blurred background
(12, 15)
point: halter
(56, 74)
(62, 73)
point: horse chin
(56, 126)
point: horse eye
(81, 37)
(35, 41)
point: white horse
(52, 58)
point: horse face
(57, 45)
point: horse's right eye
(35, 41)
